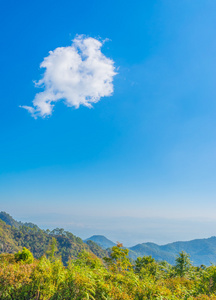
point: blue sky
(141, 164)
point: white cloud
(79, 74)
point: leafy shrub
(24, 256)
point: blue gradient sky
(139, 166)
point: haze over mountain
(201, 251)
(14, 234)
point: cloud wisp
(79, 75)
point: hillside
(10, 221)
(7, 242)
(13, 238)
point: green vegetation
(14, 238)
(88, 277)
(25, 256)
(7, 242)
(56, 265)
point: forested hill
(14, 235)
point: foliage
(183, 264)
(118, 260)
(87, 277)
(24, 256)
(7, 242)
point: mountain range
(14, 235)
(201, 251)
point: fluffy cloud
(79, 74)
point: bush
(24, 256)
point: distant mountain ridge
(201, 251)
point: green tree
(118, 260)
(183, 264)
(146, 265)
(52, 249)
